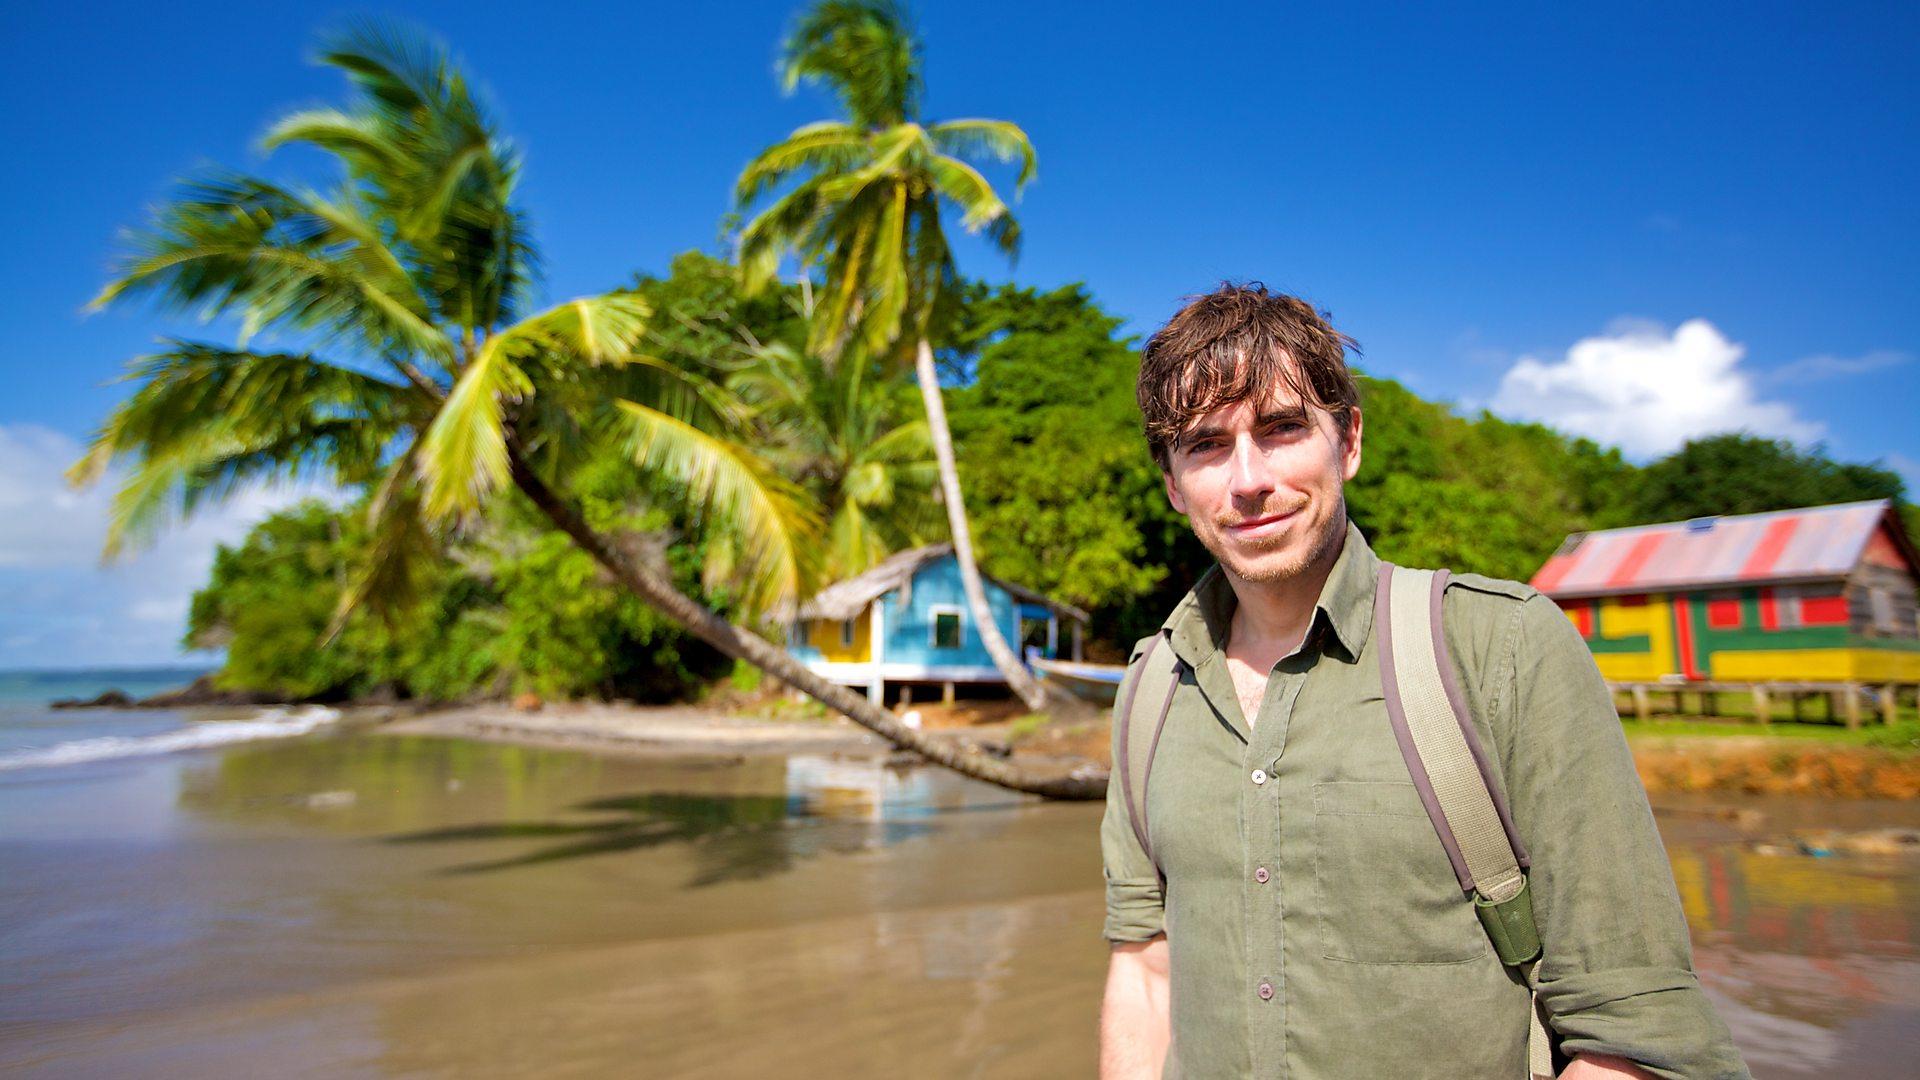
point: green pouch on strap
(1510, 924)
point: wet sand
(366, 904)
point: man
(1310, 924)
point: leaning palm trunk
(743, 644)
(1011, 668)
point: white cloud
(1818, 368)
(59, 606)
(1647, 390)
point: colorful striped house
(1822, 594)
(906, 621)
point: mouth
(1261, 526)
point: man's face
(1262, 484)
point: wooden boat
(1098, 683)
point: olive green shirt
(1314, 924)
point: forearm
(1134, 1019)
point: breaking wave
(275, 723)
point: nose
(1250, 480)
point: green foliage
(1049, 444)
(567, 632)
(516, 607)
(1482, 495)
(745, 677)
(269, 599)
(1737, 473)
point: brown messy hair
(1235, 343)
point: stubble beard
(1262, 571)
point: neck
(1267, 613)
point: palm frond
(792, 223)
(239, 245)
(730, 486)
(444, 178)
(865, 51)
(908, 443)
(855, 544)
(207, 420)
(963, 185)
(401, 545)
(357, 139)
(463, 455)
(1000, 140)
(828, 146)
(887, 274)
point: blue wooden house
(906, 622)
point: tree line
(1062, 493)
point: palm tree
(445, 385)
(831, 427)
(865, 206)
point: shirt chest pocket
(1386, 893)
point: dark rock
(110, 699)
(201, 691)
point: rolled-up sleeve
(1136, 910)
(1616, 973)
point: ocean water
(33, 735)
(31, 687)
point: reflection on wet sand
(1815, 961)
(384, 906)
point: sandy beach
(640, 729)
(594, 890)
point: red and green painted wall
(1664, 601)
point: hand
(1604, 1067)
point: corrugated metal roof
(847, 598)
(1781, 545)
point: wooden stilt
(1642, 706)
(1852, 694)
(1889, 708)
(1762, 705)
(946, 693)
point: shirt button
(1260, 875)
(1265, 991)
(1259, 776)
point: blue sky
(1639, 223)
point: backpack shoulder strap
(1451, 771)
(1150, 683)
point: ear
(1350, 460)
(1174, 497)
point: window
(1883, 619)
(846, 633)
(946, 627)
(1034, 634)
(1823, 607)
(1723, 611)
(1581, 612)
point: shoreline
(640, 730)
(1747, 764)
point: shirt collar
(1199, 623)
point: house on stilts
(1824, 594)
(906, 622)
